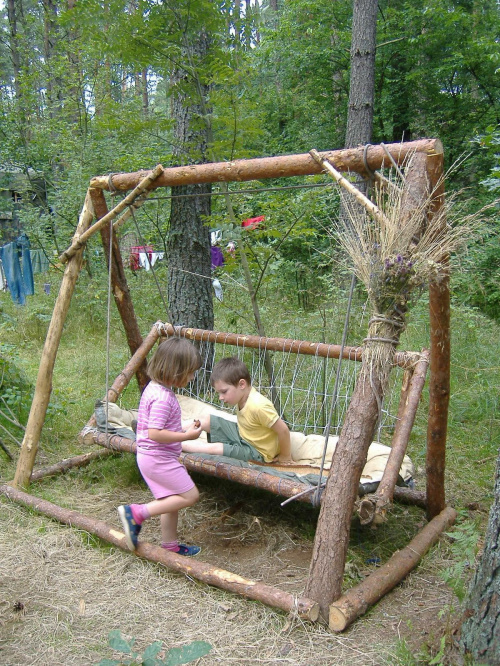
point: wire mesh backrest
(303, 386)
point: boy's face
(230, 394)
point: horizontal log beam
(403, 358)
(197, 462)
(225, 580)
(351, 159)
(356, 601)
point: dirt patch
(63, 591)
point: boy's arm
(281, 429)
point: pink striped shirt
(159, 409)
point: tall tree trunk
(362, 81)
(188, 247)
(14, 48)
(481, 628)
(324, 583)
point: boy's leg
(205, 423)
(213, 448)
(226, 431)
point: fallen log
(69, 463)
(358, 599)
(226, 580)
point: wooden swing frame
(425, 174)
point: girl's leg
(168, 522)
(173, 502)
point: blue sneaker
(188, 551)
(130, 527)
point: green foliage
(464, 547)
(150, 656)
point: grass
(79, 379)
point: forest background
(92, 88)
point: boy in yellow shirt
(259, 434)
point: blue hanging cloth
(19, 274)
(23, 245)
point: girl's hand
(193, 431)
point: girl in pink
(159, 437)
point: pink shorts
(165, 475)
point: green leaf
(187, 653)
(109, 662)
(149, 654)
(118, 643)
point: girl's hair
(173, 361)
(230, 370)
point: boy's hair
(230, 370)
(173, 361)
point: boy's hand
(284, 461)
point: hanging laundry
(252, 222)
(149, 259)
(135, 256)
(3, 281)
(39, 261)
(23, 245)
(216, 256)
(17, 267)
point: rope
(336, 387)
(371, 174)
(393, 162)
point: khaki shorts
(225, 431)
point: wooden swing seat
(299, 376)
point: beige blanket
(307, 450)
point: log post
(271, 596)
(356, 601)
(349, 159)
(119, 284)
(440, 353)
(43, 387)
(373, 508)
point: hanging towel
(39, 261)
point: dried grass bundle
(395, 254)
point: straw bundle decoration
(395, 254)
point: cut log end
(337, 620)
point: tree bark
(188, 246)
(362, 79)
(481, 628)
(326, 571)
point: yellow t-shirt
(254, 424)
